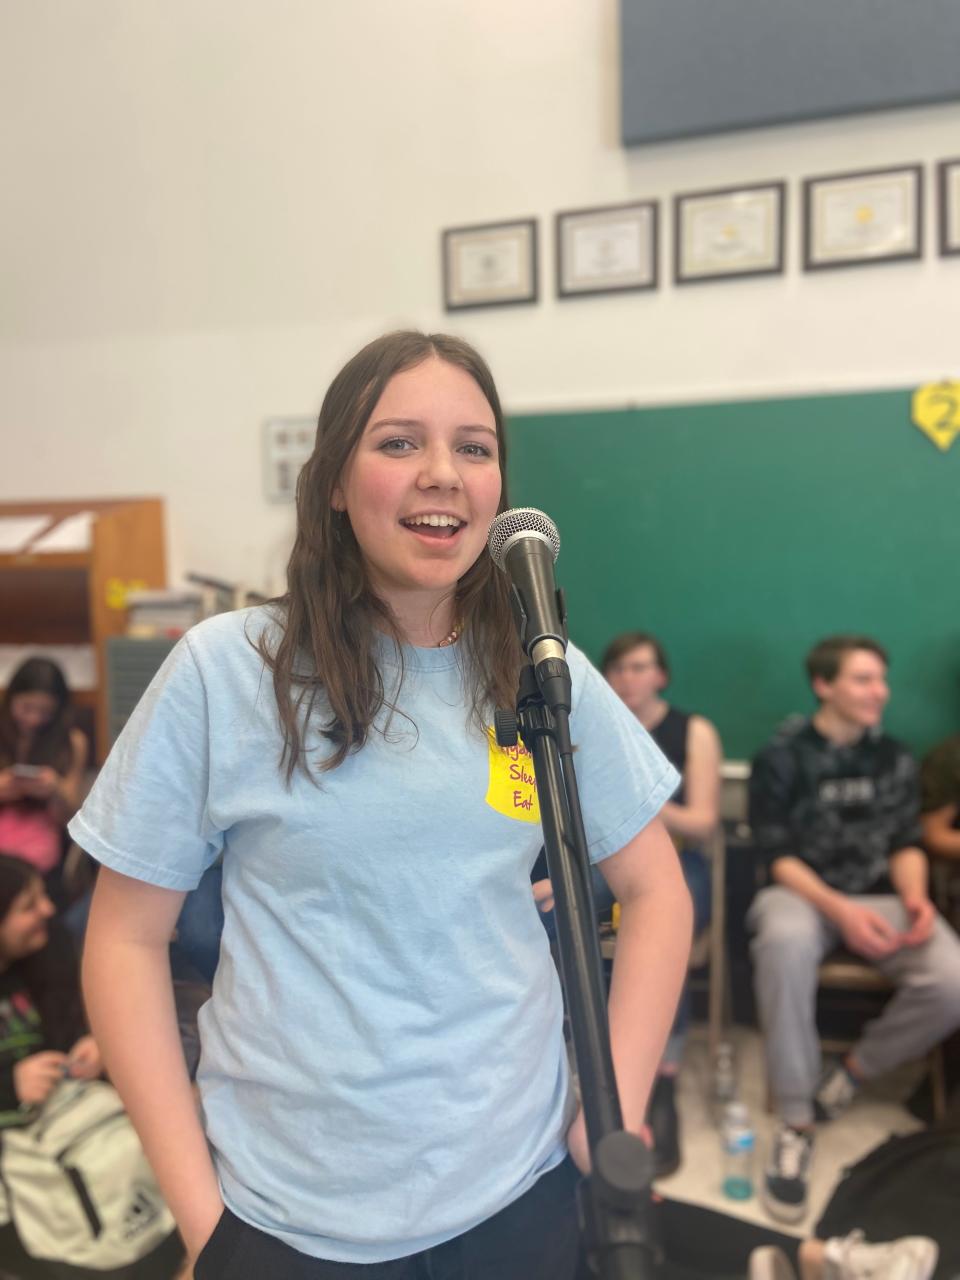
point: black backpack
(909, 1186)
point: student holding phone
(42, 759)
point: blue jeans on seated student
(602, 901)
(200, 926)
(696, 872)
(197, 948)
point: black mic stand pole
(614, 1199)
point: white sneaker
(770, 1263)
(836, 1090)
(909, 1258)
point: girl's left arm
(649, 968)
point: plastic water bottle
(724, 1080)
(738, 1148)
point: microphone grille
(519, 520)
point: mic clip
(520, 618)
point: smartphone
(26, 770)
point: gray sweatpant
(790, 940)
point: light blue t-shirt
(383, 1063)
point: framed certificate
(728, 233)
(948, 183)
(287, 444)
(490, 265)
(607, 250)
(856, 219)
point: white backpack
(77, 1186)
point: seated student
(834, 807)
(637, 669)
(42, 1031)
(940, 818)
(850, 1257)
(42, 759)
(940, 799)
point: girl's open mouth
(435, 528)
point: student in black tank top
(670, 735)
(637, 669)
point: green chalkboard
(742, 533)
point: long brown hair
(51, 975)
(51, 745)
(330, 612)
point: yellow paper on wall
(935, 409)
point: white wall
(209, 204)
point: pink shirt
(29, 832)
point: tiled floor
(874, 1116)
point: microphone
(524, 543)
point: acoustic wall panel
(692, 67)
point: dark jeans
(696, 873)
(535, 1238)
(197, 949)
(200, 926)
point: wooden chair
(710, 946)
(709, 949)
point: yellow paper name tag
(935, 409)
(512, 789)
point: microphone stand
(614, 1199)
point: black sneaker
(665, 1127)
(785, 1181)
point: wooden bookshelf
(78, 597)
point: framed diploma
(287, 444)
(607, 250)
(856, 219)
(948, 182)
(728, 233)
(490, 265)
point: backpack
(908, 1186)
(77, 1187)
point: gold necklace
(452, 638)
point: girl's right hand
(9, 787)
(197, 1240)
(36, 1077)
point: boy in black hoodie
(834, 805)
